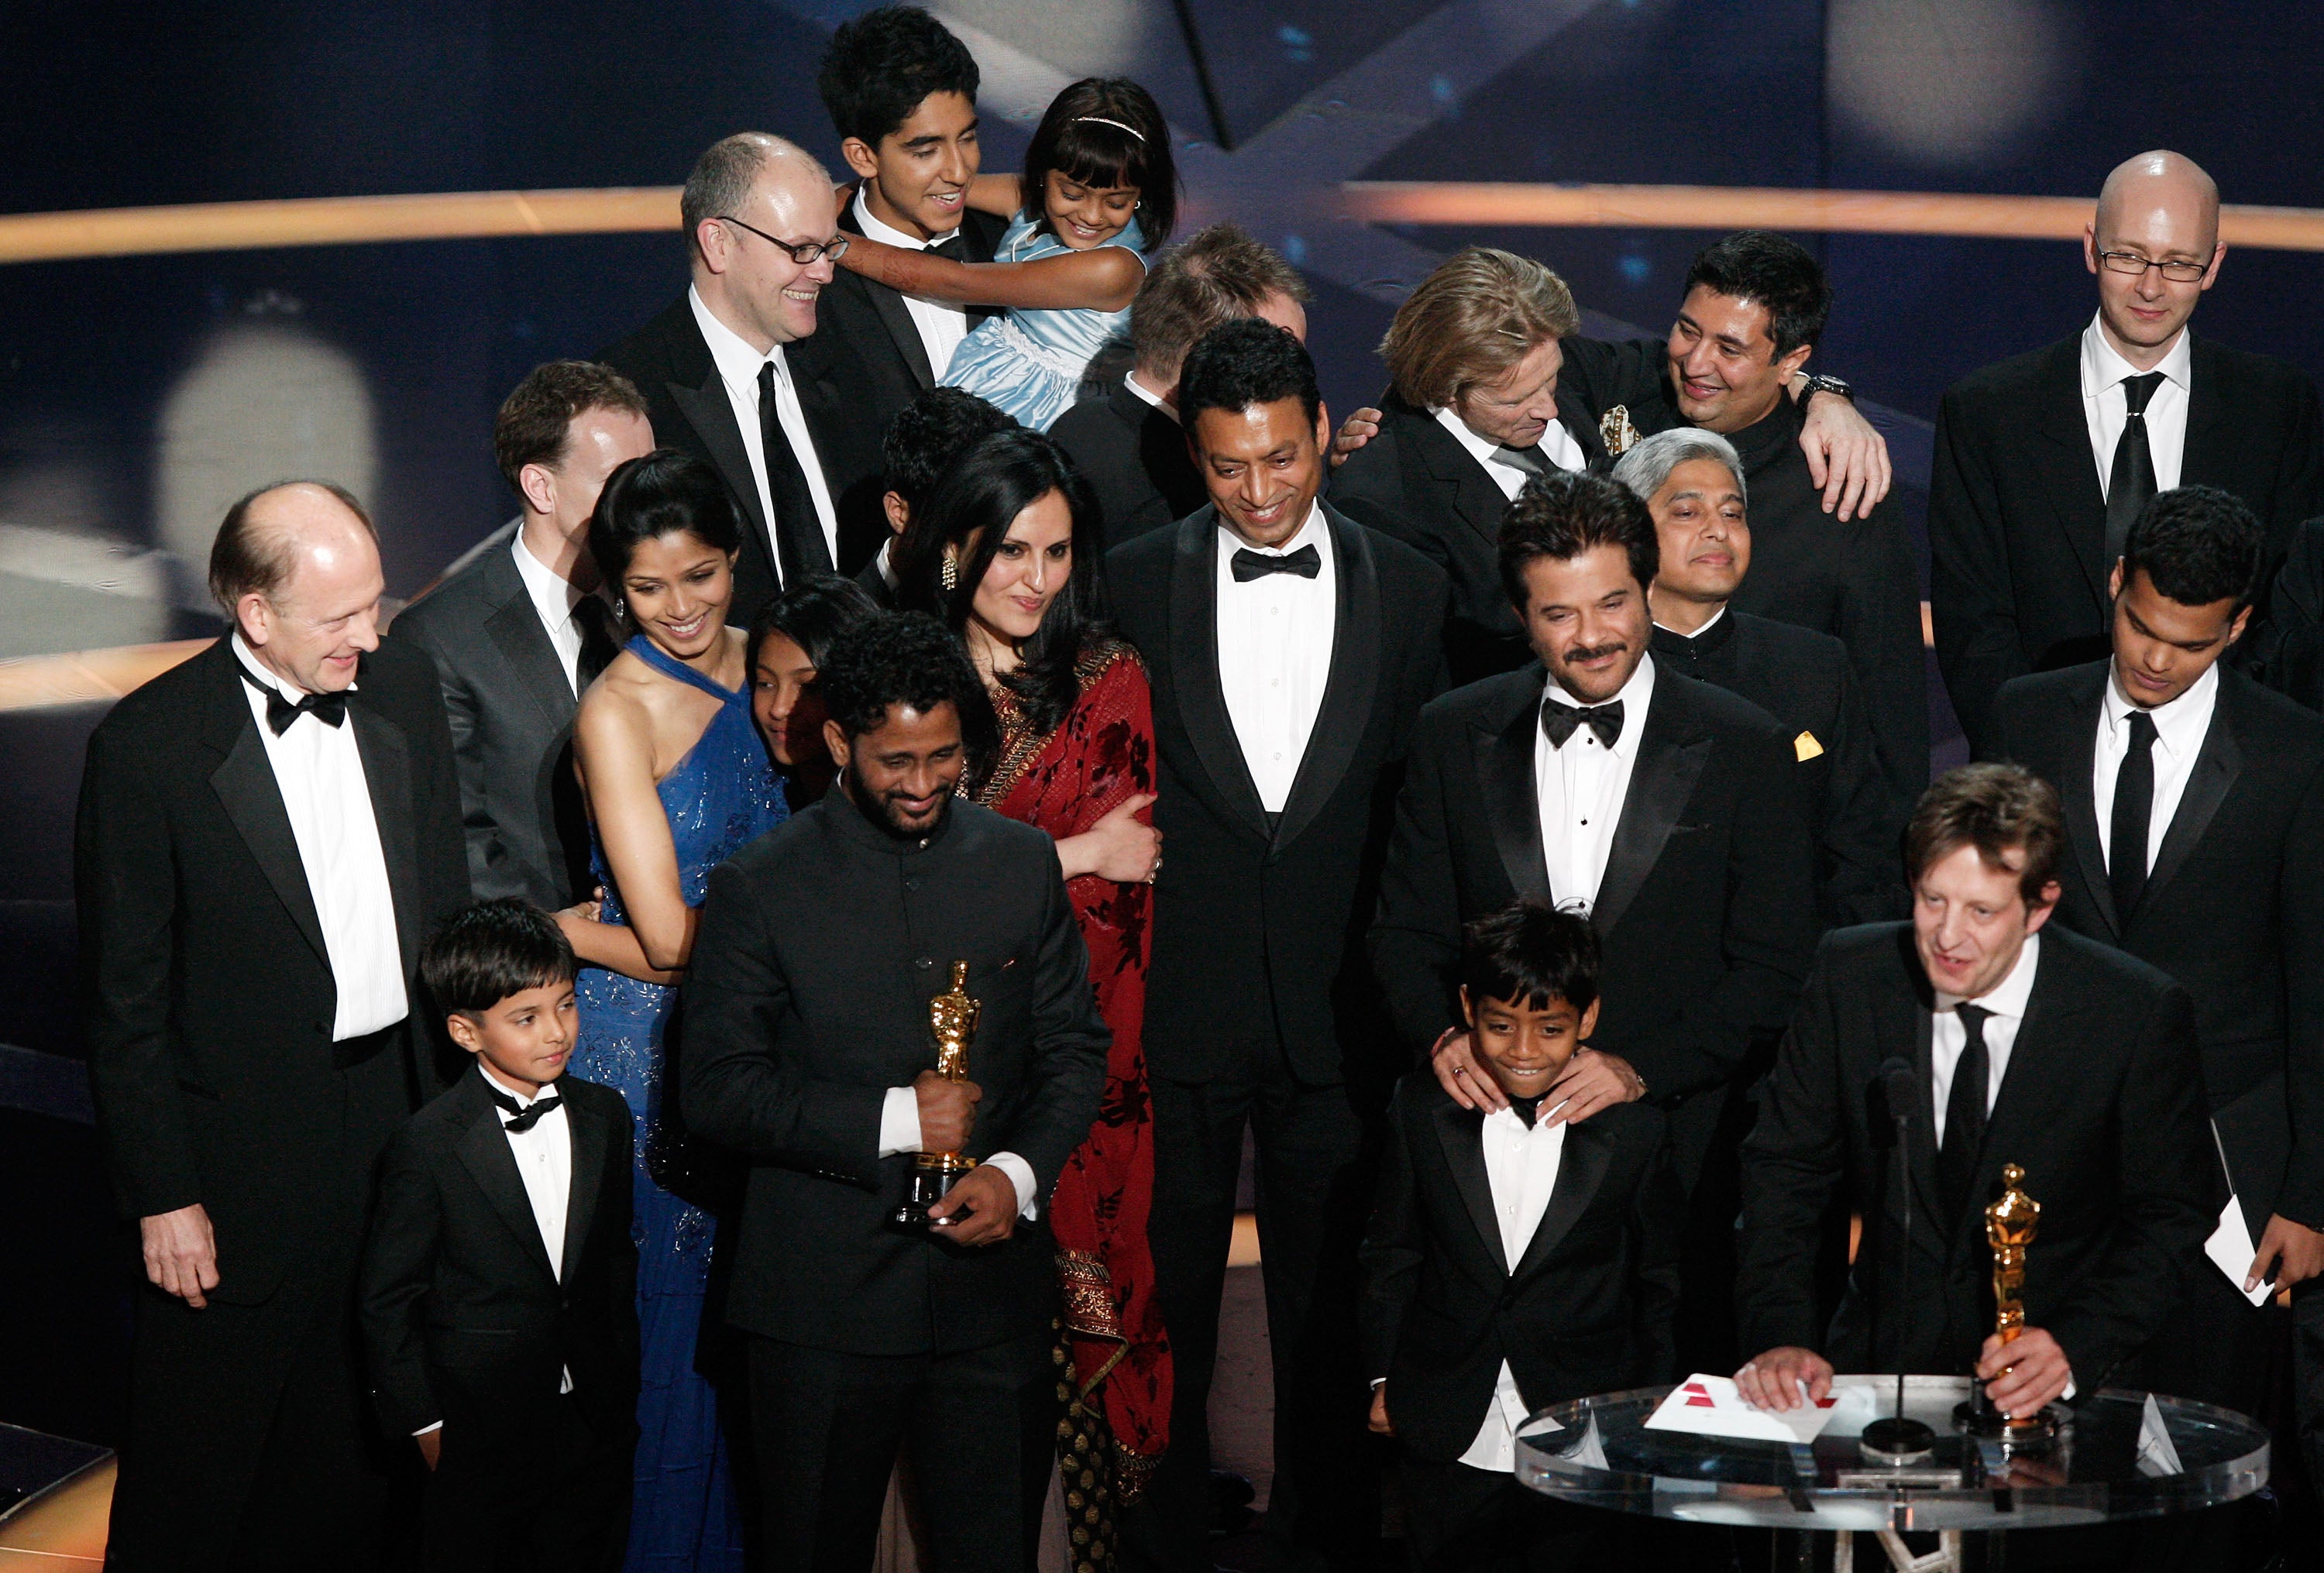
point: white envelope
(1710, 1406)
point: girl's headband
(1102, 120)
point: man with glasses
(764, 238)
(2042, 461)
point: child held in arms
(1513, 1259)
(499, 1279)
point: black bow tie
(1306, 562)
(1529, 1108)
(330, 709)
(524, 1116)
(953, 246)
(1558, 721)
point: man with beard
(807, 1050)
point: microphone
(1894, 1440)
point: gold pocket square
(1806, 747)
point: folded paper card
(1710, 1406)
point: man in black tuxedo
(922, 443)
(808, 1052)
(266, 834)
(1997, 1041)
(1692, 481)
(521, 628)
(901, 93)
(722, 380)
(2043, 460)
(1130, 444)
(1289, 650)
(1666, 809)
(1754, 305)
(2194, 806)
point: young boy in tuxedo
(499, 1279)
(1513, 1259)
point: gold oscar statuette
(952, 1023)
(2010, 1223)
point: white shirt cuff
(423, 1431)
(899, 1122)
(1020, 1174)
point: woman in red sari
(1005, 552)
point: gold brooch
(1615, 430)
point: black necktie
(2130, 482)
(2133, 810)
(1964, 1113)
(524, 1116)
(1249, 564)
(797, 528)
(598, 645)
(330, 709)
(1558, 721)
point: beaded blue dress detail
(722, 795)
(1034, 365)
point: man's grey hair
(1650, 461)
(723, 176)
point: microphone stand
(1894, 1440)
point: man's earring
(950, 573)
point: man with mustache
(1664, 809)
(807, 1050)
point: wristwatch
(1816, 382)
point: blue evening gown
(1033, 363)
(682, 1511)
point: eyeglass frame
(2105, 260)
(834, 248)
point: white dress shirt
(941, 324)
(1129, 380)
(2179, 728)
(738, 367)
(2103, 370)
(319, 771)
(1274, 655)
(1581, 787)
(554, 597)
(1521, 1163)
(899, 1132)
(2006, 1000)
(1555, 441)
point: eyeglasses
(2132, 263)
(806, 254)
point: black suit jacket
(210, 996)
(687, 402)
(2102, 1107)
(461, 1309)
(1802, 678)
(1134, 457)
(820, 946)
(1587, 1307)
(511, 713)
(1415, 482)
(1258, 925)
(2234, 908)
(1705, 915)
(2017, 514)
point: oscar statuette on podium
(2010, 1223)
(952, 1022)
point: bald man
(266, 835)
(2043, 460)
(723, 379)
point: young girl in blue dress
(1100, 190)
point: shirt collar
(266, 673)
(1129, 380)
(1718, 619)
(2179, 725)
(555, 594)
(1634, 697)
(523, 1100)
(2011, 995)
(2103, 365)
(736, 360)
(889, 235)
(1311, 533)
(1483, 449)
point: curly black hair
(2196, 545)
(882, 65)
(905, 658)
(1568, 512)
(929, 437)
(1246, 362)
(1774, 270)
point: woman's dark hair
(490, 950)
(880, 66)
(812, 614)
(989, 486)
(1107, 131)
(1568, 512)
(2197, 544)
(665, 492)
(1998, 809)
(1529, 952)
(907, 659)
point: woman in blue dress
(1100, 190)
(676, 781)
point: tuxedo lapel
(1459, 1132)
(1573, 414)
(711, 413)
(893, 314)
(1346, 711)
(387, 776)
(2213, 775)
(1476, 500)
(1581, 1172)
(1902, 1019)
(1668, 766)
(1194, 671)
(514, 627)
(2079, 730)
(253, 799)
(1505, 758)
(591, 1141)
(2041, 1063)
(2208, 456)
(2071, 473)
(485, 1154)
